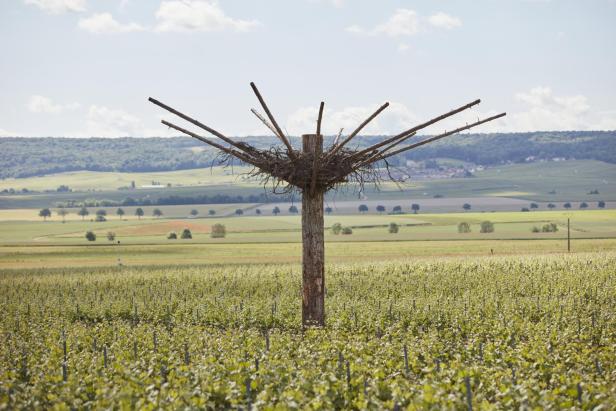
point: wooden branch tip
(320, 118)
(280, 134)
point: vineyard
(452, 333)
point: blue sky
(85, 68)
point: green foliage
(100, 218)
(120, 212)
(139, 212)
(601, 204)
(393, 228)
(346, 231)
(276, 210)
(90, 236)
(380, 208)
(397, 210)
(466, 206)
(293, 209)
(83, 212)
(157, 212)
(464, 227)
(526, 331)
(549, 228)
(583, 204)
(415, 208)
(211, 212)
(486, 227)
(172, 235)
(218, 231)
(186, 234)
(535, 229)
(239, 211)
(362, 208)
(194, 212)
(45, 212)
(336, 228)
(328, 210)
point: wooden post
(568, 237)
(313, 244)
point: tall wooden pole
(568, 237)
(313, 246)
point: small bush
(525, 210)
(172, 236)
(535, 229)
(186, 234)
(336, 228)
(100, 218)
(464, 227)
(583, 205)
(110, 235)
(487, 227)
(218, 231)
(347, 231)
(90, 236)
(549, 228)
(393, 228)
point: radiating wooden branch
(201, 125)
(280, 134)
(354, 133)
(386, 149)
(438, 137)
(264, 121)
(416, 128)
(337, 137)
(320, 118)
(212, 143)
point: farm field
(513, 184)
(492, 332)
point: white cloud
(444, 21)
(198, 15)
(42, 104)
(104, 23)
(106, 122)
(397, 117)
(6, 133)
(403, 22)
(336, 3)
(406, 22)
(59, 6)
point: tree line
(24, 157)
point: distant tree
(139, 213)
(583, 205)
(62, 213)
(397, 209)
(346, 231)
(593, 191)
(218, 231)
(120, 213)
(276, 210)
(111, 235)
(101, 212)
(45, 212)
(194, 212)
(293, 209)
(601, 204)
(549, 228)
(393, 228)
(239, 211)
(157, 212)
(186, 234)
(336, 228)
(258, 211)
(211, 212)
(466, 206)
(415, 208)
(132, 184)
(362, 208)
(100, 218)
(63, 189)
(328, 210)
(487, 227)
(567, 205)
(525, 209)
(83, 212)
(90, 236)
(535, 229)
(551, 206)
(534, 205)
(464, 227)
(172, 236)
(380, 208)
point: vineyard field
(499, 332)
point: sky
(82, 68)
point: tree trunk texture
(313, 243)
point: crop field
(495, 332)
